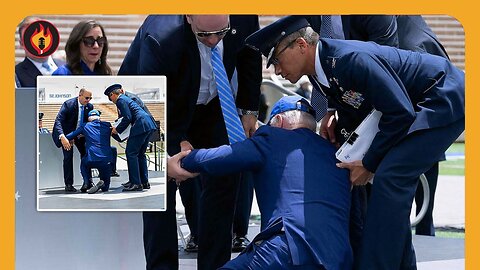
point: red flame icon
(41, 40)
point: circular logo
(41, 38)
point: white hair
(93, 117)
(297, 119)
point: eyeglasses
(275, 60)
(90, 41)
(220, 33)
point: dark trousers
(190, 191)
(426, 226)
(217, 204)
(68, 160)
(136, 160)
(387, 238)
(160, 235)
(243, 206)
(113, 161)
(103, 167)
(217, 200)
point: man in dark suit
(180, 48)
(73, 113)
(422, 99)
(26, 72)
(303, 197)
(98, 151)
(141, 127)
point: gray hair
(297, 119)
(93, 117)
(307, 33)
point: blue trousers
(387, 238)
(136, 160)
(269, 254)
(103, 167)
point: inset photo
(101, 143)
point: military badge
(352, 98)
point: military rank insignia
(352, 98)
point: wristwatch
(247, 112)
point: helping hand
(175, 170)
(249, 123)
(327, 127)
(358, 174)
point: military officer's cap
(290, 103)
(112, 88)
(266, 39)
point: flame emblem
(41, 39)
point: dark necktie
(232, 121)
(319, 101)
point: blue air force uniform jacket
(97, 140)
(133, 114)
(297, 186)
(414, 91)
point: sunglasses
(275, 60)
(220, 33)
(90, 41)
(87, 98)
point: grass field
(454, 165)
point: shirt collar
(322, 78)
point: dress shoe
(115, 174)
(86, 187)
(133, 187)
(70, 189)
(95, 188)
(192, 246)
(239, 243)
(146, 185)
(127, 184)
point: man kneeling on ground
(304, 199)
(98, 152)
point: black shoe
(239, 243)
(192, 246)
(95, 188)
(133, 187)
(146, 185)
(70, 189)
(86, 187)
(127, 184)
(114, 174)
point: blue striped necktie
(80, 117)
(232, 121)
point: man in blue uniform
(304, 199)
(422, 99)
(142, 126)
(98, 151)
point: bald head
(209, 29)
